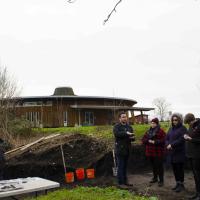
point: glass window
(89, 118)
(33, 117)
(65, 118)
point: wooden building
(141, 119)
(64, 108)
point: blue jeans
(122, 163)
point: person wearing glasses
(175, 145)
(193, 149)
(154, 141)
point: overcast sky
(148, 48)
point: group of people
(176, 145)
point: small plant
(19, 127)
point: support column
(79, 117)
(42, 115)
(133, 116)
(142, 117)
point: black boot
(153, 180)
(180, 187)
(193, 196)
(160, 183)
(198, 196)
(174, 188)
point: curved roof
(68, 93)
(75, 97)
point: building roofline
(73, 97)
(141, 115)
(100, 107)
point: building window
(48, 103)
(33, 103)
(65, 118)
(89, 118)
(33, 117)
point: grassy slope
(97, 131)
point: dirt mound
(44, 157)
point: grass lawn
(97, 131)
(91, 193)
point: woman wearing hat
(175, 144)
(154, 141)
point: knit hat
(155, 120)
(189, 118)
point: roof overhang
(100, 107)
(57, 97)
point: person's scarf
(152, 132)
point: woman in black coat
(175, 144)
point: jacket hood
(179, 117)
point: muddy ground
(141, 186)
(44, 160)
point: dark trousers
(122, 163)
(157, 167)
(178, 169)
(195, 164)
(2, 166)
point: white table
(28, 185)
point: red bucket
(69, 177)
(90, 173)
(80, 174)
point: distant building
(141, 119)
(64, 108)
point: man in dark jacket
(123, 133)
(2, 159)
(193, 149)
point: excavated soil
(44, 159)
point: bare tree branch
(71, 1)
(113, 10)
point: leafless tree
(161, 107)
(8, 90)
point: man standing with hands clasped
(193, 150)
(123, 133)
